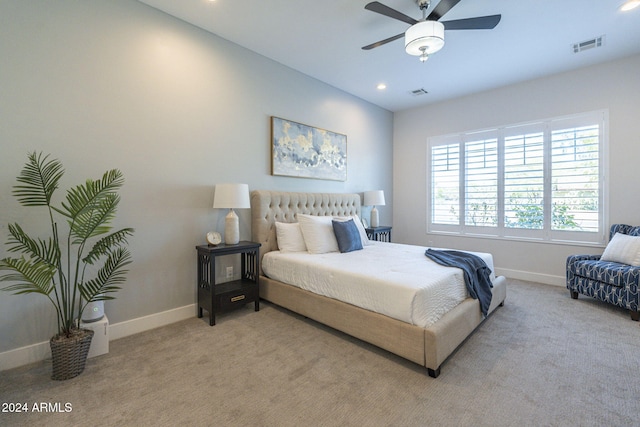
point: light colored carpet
(541, 360)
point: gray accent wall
(117, 84)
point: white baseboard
(141, 324)
(41, 351)
(24, 355)
(529, 276)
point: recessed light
(629, 5)
(381, 86)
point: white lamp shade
(374, 198)
(425, 37)
(233, 196)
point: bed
(427, 343)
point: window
(541, 180)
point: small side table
(227, 295)
(380, 234)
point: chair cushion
(612, 273)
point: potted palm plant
(79, 262)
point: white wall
(117, 84)
(614, 86)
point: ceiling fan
(426, 36)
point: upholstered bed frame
(428, 347)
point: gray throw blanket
(476, 273)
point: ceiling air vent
(419, 92)
(587, 44)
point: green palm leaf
(30, 276)
(96, 221)
(43, 250)
(108, 277)
(84, 197)
(39, 179)
(104, 245)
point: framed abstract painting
(304, 151)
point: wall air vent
(587, 44)
(419, 92)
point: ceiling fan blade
(443, 7)
(378, 7)
(479, 23)
(381, 42)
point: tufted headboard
(267, 207)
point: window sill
(519, 239)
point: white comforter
(396, 280)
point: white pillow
(361, 230)
(624, 249)
(318, 233)
(289, 237)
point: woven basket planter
(69, 355)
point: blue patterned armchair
(607, 281)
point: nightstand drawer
(230, 299)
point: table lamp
(231, 196)
(374, 198)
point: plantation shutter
(481, 182)
(445, 179)
(523, 179)
(575, 177)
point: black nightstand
(227, 295)
(381, 234)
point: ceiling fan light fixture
(630, 5)
(424, 38)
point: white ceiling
(323, 39)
